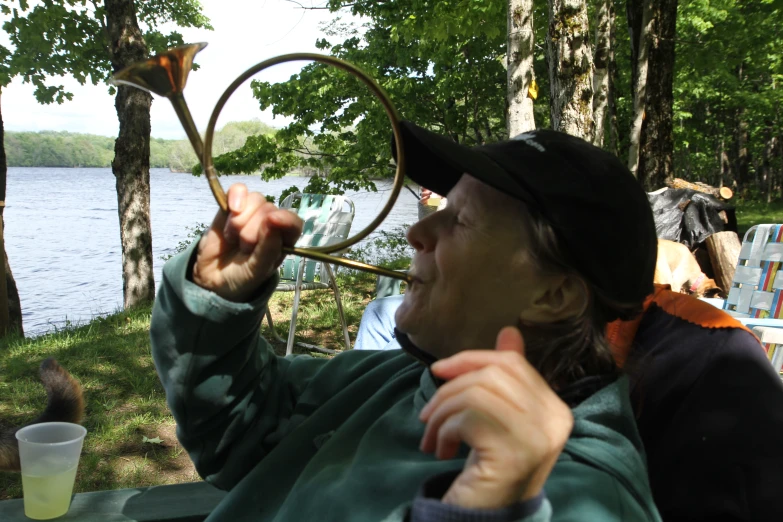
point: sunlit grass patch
(751, 213)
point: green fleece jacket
(315, 439)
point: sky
(245, 32)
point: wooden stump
(724, 249)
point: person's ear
(556, 298)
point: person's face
(472, 273)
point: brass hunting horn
(166, 75)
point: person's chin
(405, 316)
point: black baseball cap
(598, 210)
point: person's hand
(500, 406)
(243, 248)
(425, 195)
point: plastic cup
(49, 453)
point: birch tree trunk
(570, 68)
(614, 128)
(520, 67)
(640, 87)
(602, 77)
(131, 165)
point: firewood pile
(718, 254)
(724, 193)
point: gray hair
(574, 348)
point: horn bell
(164, 74)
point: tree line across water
(69, 149)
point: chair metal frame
(335, 228)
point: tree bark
(742, 155)
(633, 12)
(10, 305)
(614, 129)
(131, 164)
(570, 68)
(642, 51)
(520, 67)
(656, 157)
(602, 75)
(766, 162)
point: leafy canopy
(442, 69)
(55, 38)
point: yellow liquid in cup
(48, 496)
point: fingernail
(235, 201)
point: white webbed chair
(327, 220)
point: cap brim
(437, 162)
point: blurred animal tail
(65, 404)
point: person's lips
(416, 278)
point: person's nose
(423, 235)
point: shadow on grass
(124, 398)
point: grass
(751, 213)
(125, 400)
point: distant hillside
(68, 149)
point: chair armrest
(388, 286)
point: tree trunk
(602, 75)
(570, 68)
(520, 67)
(640, 89)
(656, 157)
(766, 163)
(131, 165)
(10, 305)
(614, 129)
(742, 156)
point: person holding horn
(518, 413)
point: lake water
(63, 240)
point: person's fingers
(288, 224)
(476, 399)
(472, 427)
(277, 228)
(510, 339)
(248, 236)
(472, 360)
(492, 378)
(234, 231)
(476, 403)
(237, 194)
